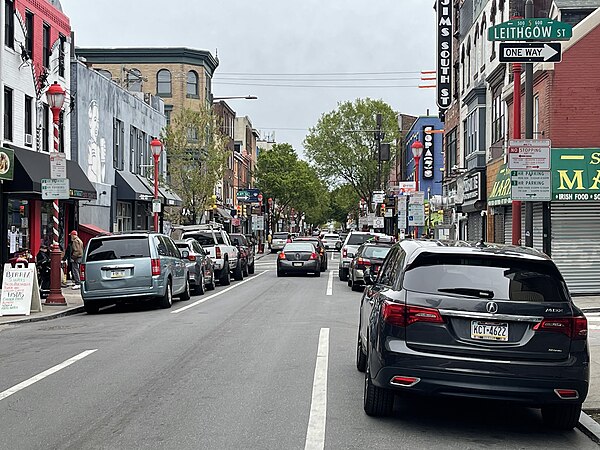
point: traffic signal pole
(528, 129)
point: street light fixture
(417, 151)
(56, 98)
(233, 97)
(156, 147)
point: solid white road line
(191, 305)
(330, 283)
(315, 435)
(16, 388)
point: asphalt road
(267, 364)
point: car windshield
(280, 236)
(357, 239)
(118, 248)
(299, 247)
(375, 252)
(481, 277)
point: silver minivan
(130, 267)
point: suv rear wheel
(186, 294)
(562, 417)
(376, 401)
(91, 308)
(199, 289)
(251, 268)
(361, 358)
(166, 301)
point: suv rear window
(357, 239)
(280, 236)
(487, 278)
(118, 248)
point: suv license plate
(117, 274)
(489, 331)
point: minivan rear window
(486, 278)
(118, 248)
(280, 236)
(357, 239)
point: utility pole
(378, 138)
(528, 129)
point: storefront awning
(130, 188)
(171, 198)
(501, 190)
(224, 214)
(150, 186)
(31, 167)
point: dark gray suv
(483, 321)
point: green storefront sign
(501, 189)
(531, 30)
(575, 174)
(7, 164)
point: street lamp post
(417, 151)
(156, 147)
(56, 98)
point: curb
(56, 315)
(589, 427)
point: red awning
(92, 229)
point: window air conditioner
(28, 139)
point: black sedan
(370, 256)
(298, 257)
(490, 322)
(319, 246)
(200, 266)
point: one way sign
(530, 52)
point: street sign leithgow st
(531, 30)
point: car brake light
(574, 327)
(281, 255)
(402, 316)
(313, 255)
(364, 262)
(192, 257)
(82, 272)
(155, 266)
(344, 252)
(217, 253)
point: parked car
(200, 266)
(279, 240)
(217, 244)
(491, 322)
(245, 251)
(319, 246)
(354, 240)
(332, 240)
(369, 255)
(298, 257)
(131, 267)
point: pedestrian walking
(76, 254)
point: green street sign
(7, 163)
(575, 174)
(531, 30)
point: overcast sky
(282, 42)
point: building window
(451, 151)
(469, 71)
(28, 121)
(124, 217)
(61, 55)
(163, 83)
(9, 23)
(29, 33)
(471, 125)
(132, 145)
(8, 114)
(118, 145)
(498, 113)
(133, 80)
(192, 84)
(45, 135)
(464, 69)
(208, 88)
(46, 48)
(536, 116)
(168, 112)
(482, 45)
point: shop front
(575, 215)
(133, 203)
(28, 220)
(471, 190)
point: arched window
(105, 72)
(134, 80)
(484, 43)
(464, 69)
(163, 82)
(192, 84)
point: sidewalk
(74, 306)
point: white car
(332, 240)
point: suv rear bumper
(124, 294)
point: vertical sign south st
(444, 53)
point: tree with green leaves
(343, 146)
(343, 201)
(197, 155)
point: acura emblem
(491, 307)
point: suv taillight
(344, 252)
(155, 262)
(402, 316)
(363, 262)
(574, 327)
(192, 257)
(281, 255)
(217, 253)
(82, 272)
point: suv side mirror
(368, 277)
(185, 254)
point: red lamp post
(156, 147)
(56, 98)
(417, 151)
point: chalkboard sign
(20, 291)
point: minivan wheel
(343, 274)
(238, 274)
(377, 402)
(224, 279)
(91, 308)
(166, 301)
(245, 271)
(562, 417)
(361, 358)
(186, 294)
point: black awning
(171, 198)
(150, 186)
(31, 167)
(129, 187)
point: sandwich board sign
(20, 290)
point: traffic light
(239, 210)
(382, 209)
